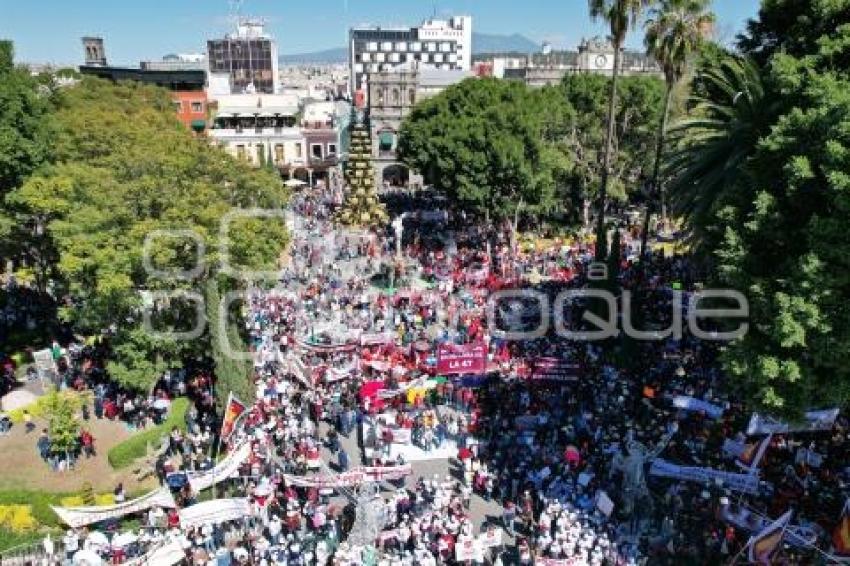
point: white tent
(294, 183)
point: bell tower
(95, 53)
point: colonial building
(549, 67)
(392, 95)
(302, 139)
(441, 44)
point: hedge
(39, 408)
(135, 447)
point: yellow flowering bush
(17, 518)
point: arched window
(411, 96)
(381, 96)
(396, 97)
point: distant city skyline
(49, 31)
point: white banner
(491, 538)
(215, 511)
(694, 404)
(355, 476)
(375, 338)
(400, 435)
(80, 516)
(814, 421)
(168, 554)
(466, 549)
(750, 521)
(223, 470)
(604, 503)
(748, 483)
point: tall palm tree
(674, 31)
(709, 161)
(619, 14)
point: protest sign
(813, 421)
(215, 512)
(454, 359)
(80, 516)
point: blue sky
(50, 30)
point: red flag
(232, 412)
(841, 534)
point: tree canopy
(124, 171)
(490, 143)
(767, 178)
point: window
(386, 140)
(396, 97)
(240, 151)
(411, 96)
(261, 154)
(316, 150)
(197, 107)
(381, 96)
(331, 149)
(279, 153)
(298, 151)
(178, 106)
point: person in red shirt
(87, 441)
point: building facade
(549, 67)
(391, 97)
(302, 140)
(248, 57)
(440, 44)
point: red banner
(457, 360)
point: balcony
(326, 161)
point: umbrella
(87, 558)
(294, 183)
(124, 539)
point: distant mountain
(336, 55)
(481, 43)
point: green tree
(482, 143)
(126, 177)
(619, 14)
(63, 426)
(674, 32)
(775, 211)
(708, 165)
(25, 132)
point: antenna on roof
(235, 10)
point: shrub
(72, 501)
(40, 407)
(124, 454)
(104, 499)
(17, 518)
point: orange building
(191, 109)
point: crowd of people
(561, 437)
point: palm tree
(674, 31)
(619, 14)
(709, 164)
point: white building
(438, 44)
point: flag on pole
(753, 452)
(841, 534)
(764, 545)
(233, 410)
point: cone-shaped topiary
(361, 206)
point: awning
(386, 138)
(199, 124)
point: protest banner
(166, 554)
(749, 520)
(466, 549)
(748, 483)
(697, 405)
(813, 421)
(604, 503)
(215, 512)
(554, 369)
(353, 477)
(454, 359)
(223, 470)
(377, 338)
(80, 516)
(490, 538)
